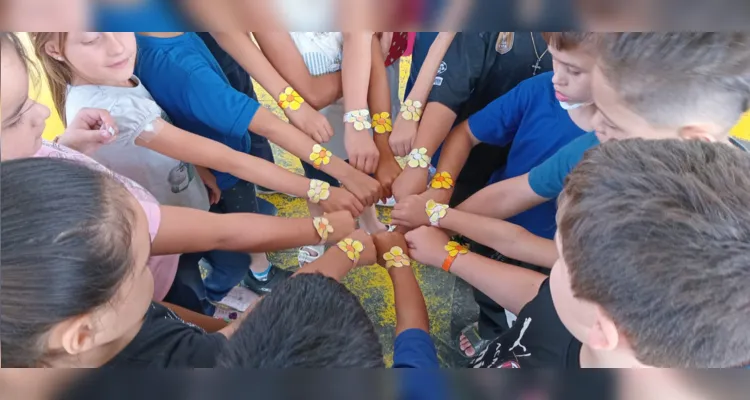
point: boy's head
(309, 321)
(654, 238)
(691, 85)
(573, 58)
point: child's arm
(335, 263)
(187, 230)
(279, 48)
(355, 72)
(509, 239)
(405, 131)
(379, 99)
(248, 55)
(510, 286)
(185, 146)
(411, 311)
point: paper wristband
(396, 258)
(320, 156)
(454, 249)
(381, 123)
(418, 158)
(352, 248)
(324, 228)
(289, 99)
(359, 118)
(411, 110)
(435, 212)
(319, 191)
(442, 180)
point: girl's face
(23, 119)
(98, 58)
(106, 330)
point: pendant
(504, 42)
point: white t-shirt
(171, 181)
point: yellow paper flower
(411, 110)
(352, 248)
(455, 249)
(382, 122)
(418, 158)
(290, 99)
(435, 211)
(396, 258)
(442, 180)
(319, 190)
(320, 156)
(360, 119)
(323, 226)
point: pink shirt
(163, 268)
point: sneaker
(275, 276)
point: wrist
(453, 251)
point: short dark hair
(65, 250)
(309, 321)
(672, 79)
(569, 40)
(657, 233)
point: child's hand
(312, 123)
(403, 136)
(341, 199)
(343, 225)
(361, 149)
(368, 256)
(209, 180)
(427, 245)
(364, 187)
(90, 129)
(411, 181)
(385, 241)
(410, 212)
(387, 172)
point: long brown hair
(58, 72)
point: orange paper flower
(396, 258)
(454, 249)
(382, 122)
(442, 180)
(290, 99)
(320, 156)
(323, 226)
(411, 110)
(352, 248)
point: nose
(114, 45)
(40, 113)
(558, 78)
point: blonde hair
(58, 72)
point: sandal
(477, 343)
(308, 254)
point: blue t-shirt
(414, 352)
(532, 122)
(547, 180)
(144, 15)
(187, 82)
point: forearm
(333, 264)
(509, 286)
(280, 50)
(379, 98)
(411, 311)
(294, 141)
(508, 239)
(187, 230)
(434, 127)
(456, 150)
(356, 67)
(503, 199)
(239, 45)
(428, 71)
(267, 174)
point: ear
(73, 336)
(603, 335)
(53, 50)
(698, 132)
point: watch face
(504, 42)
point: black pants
(483, 161)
